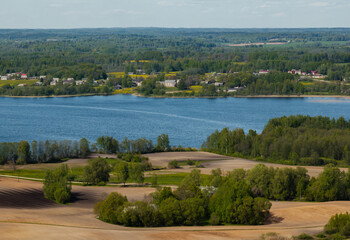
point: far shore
(234, 96)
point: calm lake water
(187, 121)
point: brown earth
(26, 214)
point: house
(42, 77)
(138, 82)
(218, 84)
(313, 73)
(4, 78)
(70, 79)
(264, 72)
(38, 83)
(169, 83)
(117, 87)
(80, 82)
(53, 83)
(24, 76)
(22, 85)
(55, 79)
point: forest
(295, 140)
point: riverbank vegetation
(295, 140)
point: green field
(16, 82)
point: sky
(174, 13)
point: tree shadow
(272, 219)
(24, 198)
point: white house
(4, 78)
(24, 76)
(169, 83)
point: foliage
(298, 140)
(339, 223)
(56, 185)
(96, 172)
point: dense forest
(92, 53)
(297, 140)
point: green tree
(163, 143)
(56, 186)
(136, 172)
(23, 151)
(96, 172)
(122, 172)
(84, 147)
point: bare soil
(26, 214)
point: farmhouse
(169, 83)
(218, 84)
(264, 72)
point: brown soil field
(26, 214)
(212, 161)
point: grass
(16, 82)
(39, 174)
(124, 91)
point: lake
(187, 121)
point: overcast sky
(174, 13)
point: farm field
(37, 218)
(212, 161)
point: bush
(57, 187)
(339, 223)
(109, 209)
(173, 164)
(304, 236)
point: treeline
(42, 151)
(47, 90)
(298, 140)
(48, 151)
(188, 205)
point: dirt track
(25, 214)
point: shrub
(173, 164)
(109, 209)
(339, 223)
(304, 236)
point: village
(171, 79)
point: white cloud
(319, 4)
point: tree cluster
(298, 140)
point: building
(169, 83)
(70, 79)
(80, 82)
(117, 87)
(24, 76)
(55, 79)
(218, 84)
(4, 78)
(68, 82)
(263, 72)
(22, 85)
(42, 77)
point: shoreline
(212, 97)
